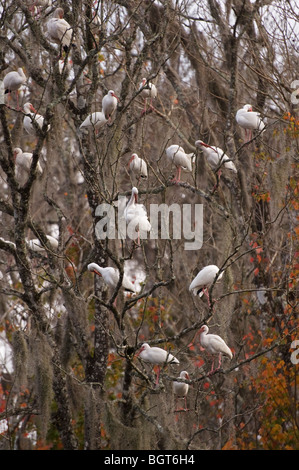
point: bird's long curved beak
(97, 272)
(139, 352)
(206, 145)
(131, 159)
(115, 96)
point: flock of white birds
(60, 32)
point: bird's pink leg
(176, 404)
(212, 368)
(181, 409)
(219, 172)
(137, 243)
(179, 175)
(185, 400)
(158, 375)
(212, 371)
(174, 180)
(18, 106)
(144, 107)
(206, 293)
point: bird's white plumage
(249, 120)
(109, 104)
(179, 157)
(14, 80)
(111, 276)
(36, 245)
(149, 90)
(180, 388)
(23, 160)
(94, 120)
(59, 30)
(216, 157)
(156, 355)
(31, 113)
(135, 214)
(213, 344)
(138, 166)
(204, 279)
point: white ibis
(149, 90)
(249, 120)
(180, 159)
(136, 216)
(156, 356)
(181, 388)
(109, 104)
(13, 81)
(204, 279)
(214, 345)
(59, 30)
(36, 245)
(94, 121)
(111, 277)
(216, 157)
(24, 159)
(138, 166)
(32, 115)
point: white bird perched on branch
(13, 81)
(249, 120)
(214, 345)
(32, 115)
(204, 279)
(156, 356)
(149, 90)
(36, 245)
(109, 104)
(180, 159)
(216, 157)
(138, 166)
(24, 159)
(59, 30)
(111, 277)
(136, 216)
(94, 120)
(181, 388)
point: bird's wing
(219, 345)
(111, 276)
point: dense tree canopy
(70, 375)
